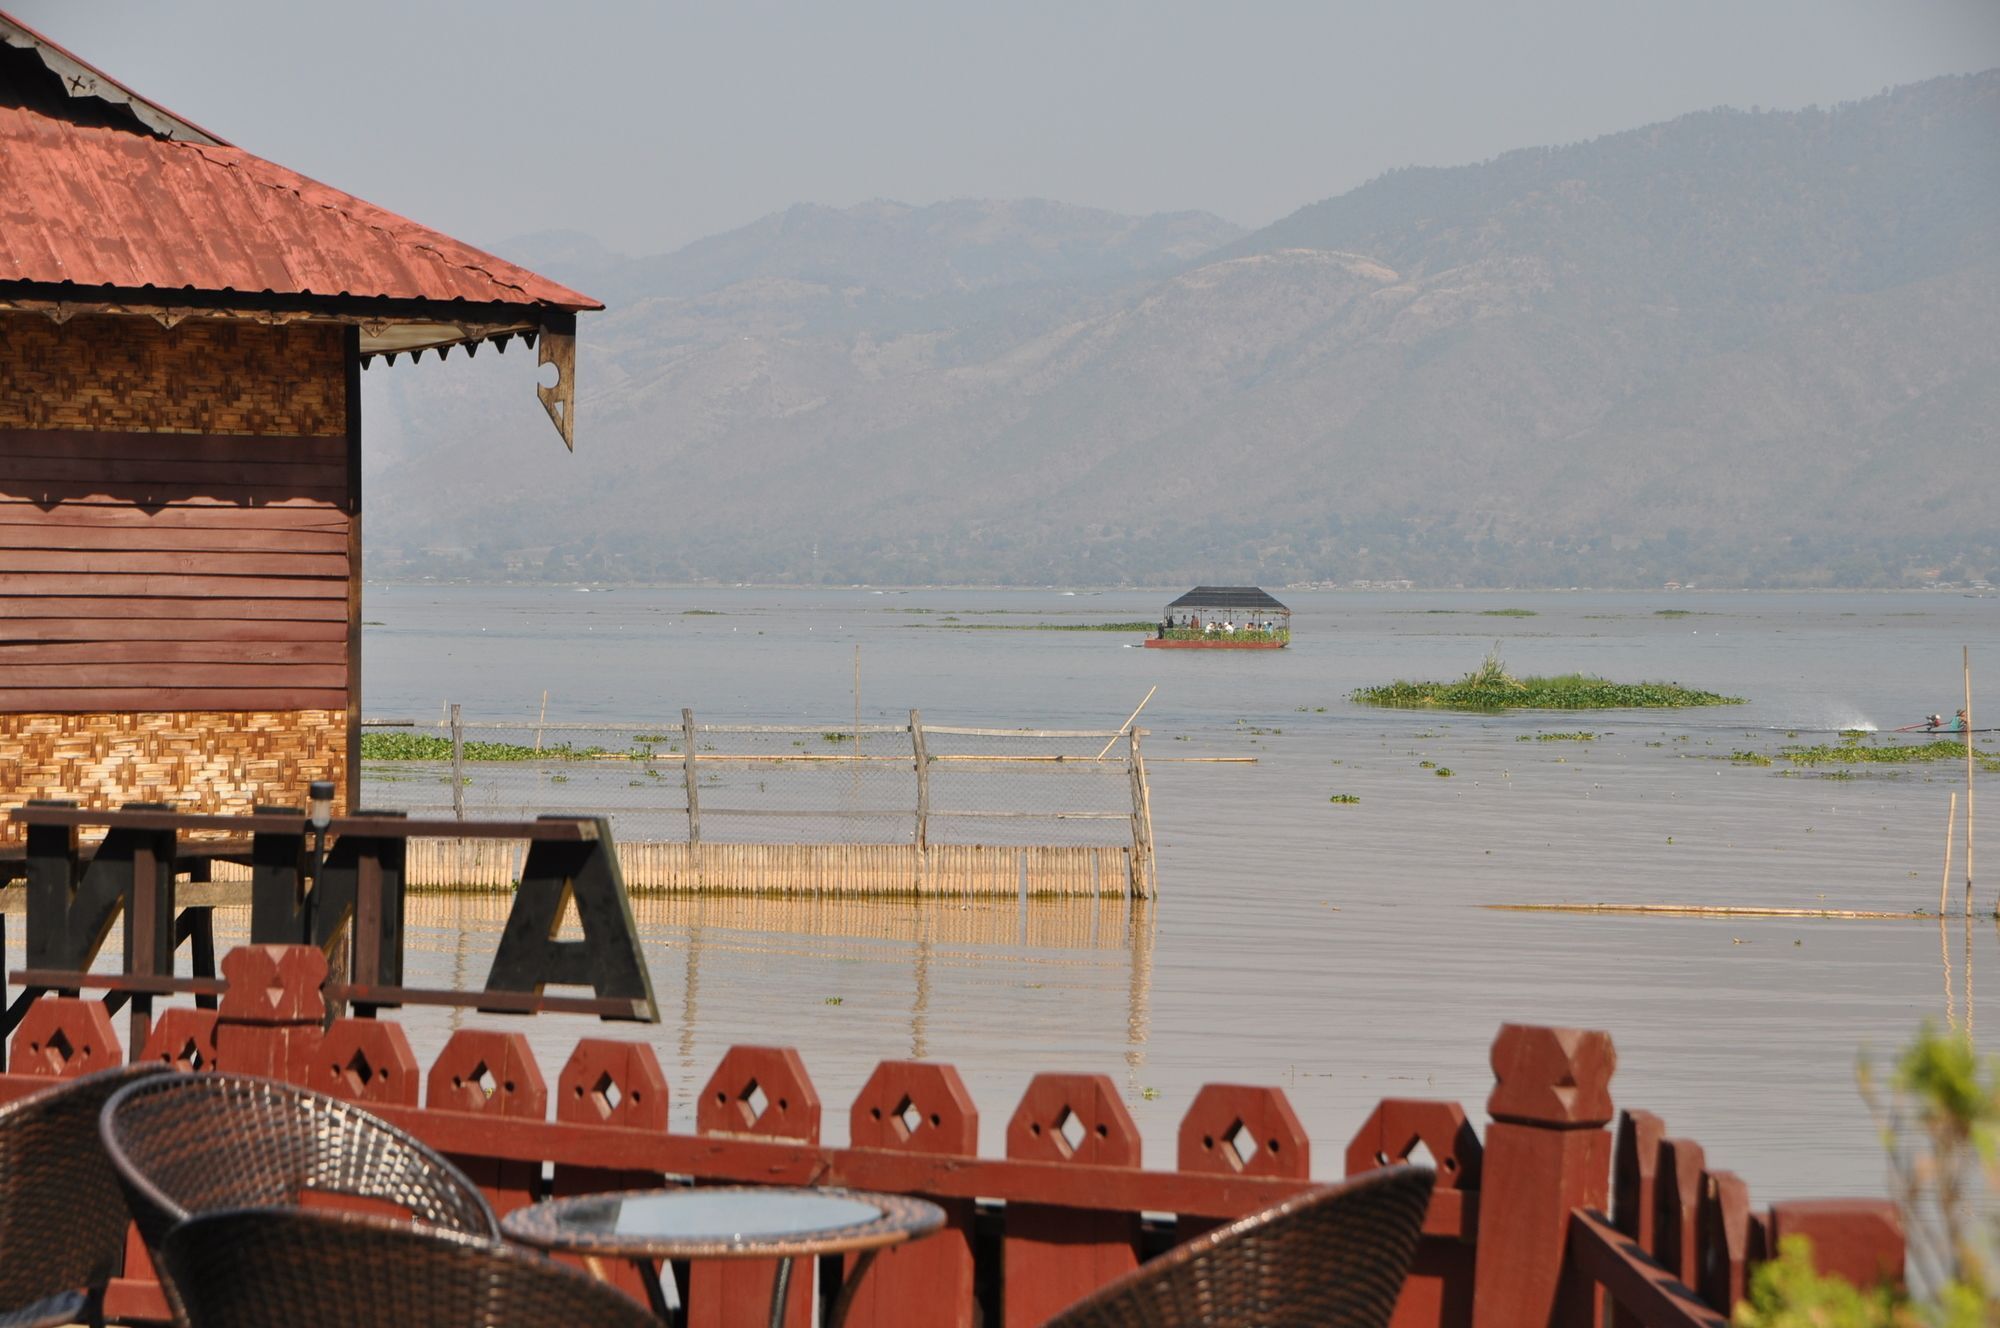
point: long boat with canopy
(1224, 618)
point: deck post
(693, 797)
(1547, 1153)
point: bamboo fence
(839, 810)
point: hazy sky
(653, 124)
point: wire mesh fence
(796, 801)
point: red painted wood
(1600, 1254)
(1546, 1162)
(330, 653)
(1547, 1153)
(1241, 1129)
(1440, 1285)
(61, 1037)
(609, 1082)
(86, 631)
(136, 1297)
(722, 1293)
(228, 607)
(1635, 1170)
(1858, 1239)
(98, 700)
(63, 677)
(206, 517)
(1725, 1240)
(1055, 1256)
(918, 1107)
(1677, 1208)
(367, 1061)
(473, 1059)
(183, 1037)
(36, 557)
(57, 532)
(49, 491)
(150, 586)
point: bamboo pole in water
(1968, 811)
(1944, 953)
(1128, 720)
(1950, 827)
(457, 765)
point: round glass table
(729, 1222)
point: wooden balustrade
(1515, 1233)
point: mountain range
(1736, 348)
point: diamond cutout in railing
(357, 1072)
(908, 1118)
(754, 1101)
(1420, 1153)
(190, 1055)
(483, 1077)
(1071, 1131)
(1241, 1143)
(605, 1094)
(57, 1051)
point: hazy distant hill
(1736, 348)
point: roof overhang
(389, 328)
(82, 79)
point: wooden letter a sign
(607, 959)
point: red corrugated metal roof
(103, 207)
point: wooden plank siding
(179, 561)
(144, 571)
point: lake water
(1343, 951)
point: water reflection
(850, 980)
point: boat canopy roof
(1246, 598)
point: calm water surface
(1341, 951)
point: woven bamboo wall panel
(108, 372)
(200, 761)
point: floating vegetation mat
(1491, 687)
(430, 747)
(1891, 753)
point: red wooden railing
(1515, 1233)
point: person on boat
(1957, 724)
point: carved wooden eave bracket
(559, 348)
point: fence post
(688, 778)
(923, 793)
(1547, 1152)
(457, 765)
(1142, 823)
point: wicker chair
(1332, 1256)
(195, 1143)
(250, 1268)
(62, 1219)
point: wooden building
(183, 327)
